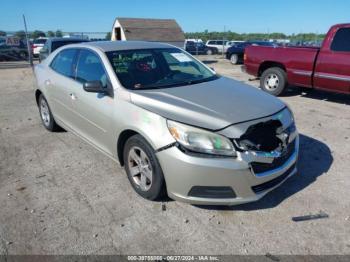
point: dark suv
(53, 43)
(199, 48)
(236, 52)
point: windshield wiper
(192, 82)
(184, 83)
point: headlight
(201, 141)
(291, 113)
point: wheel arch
(122, 138)
(268, 64)
(37, 95)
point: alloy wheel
(140, 168)
(45, 112)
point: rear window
(341, 41)
(39, 41)
(58, 44)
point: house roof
(164, 30)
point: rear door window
(341, 41)
(64, 61)
(90, 68)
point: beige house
(155, 30)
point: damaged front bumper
(184, 173)
(233, 180)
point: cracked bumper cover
(182, 172)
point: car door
(332, 71)
(94, 110)
(190, 47)
(219, 46)
(59, 83)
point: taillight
(245, 56)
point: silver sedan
(179, 128)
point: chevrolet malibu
(179, 128)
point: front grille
(272, 183)
(276, 163)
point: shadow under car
(315, 159)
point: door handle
(73, 96)
(47, 82)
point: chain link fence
(20, 48)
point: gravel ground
(58, 195)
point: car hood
(211, 105)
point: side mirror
(96, 87)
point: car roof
(107, 46)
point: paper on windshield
(181, 57)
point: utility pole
(223, 43)
(28, 43)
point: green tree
(50, 34)
(58, 33)
(2, 33)
(253, 36)
(37, 34)
(20, 34)
(108, 36)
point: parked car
(228, 44)
(199, 48)
(53, 43)
(37, 45)
(13, 49)
(236, 52)
(219, 45)
(326, 68)
(176, 126)
(196, 40)
(234, 42)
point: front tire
(46, 115)
(274, 81)
(234, 59)
(143, 169)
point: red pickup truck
(326, 68)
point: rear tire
(143, 169)
(234, 59)
(274, 81)
(46, 115)
(209, 52)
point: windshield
(157, 68)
